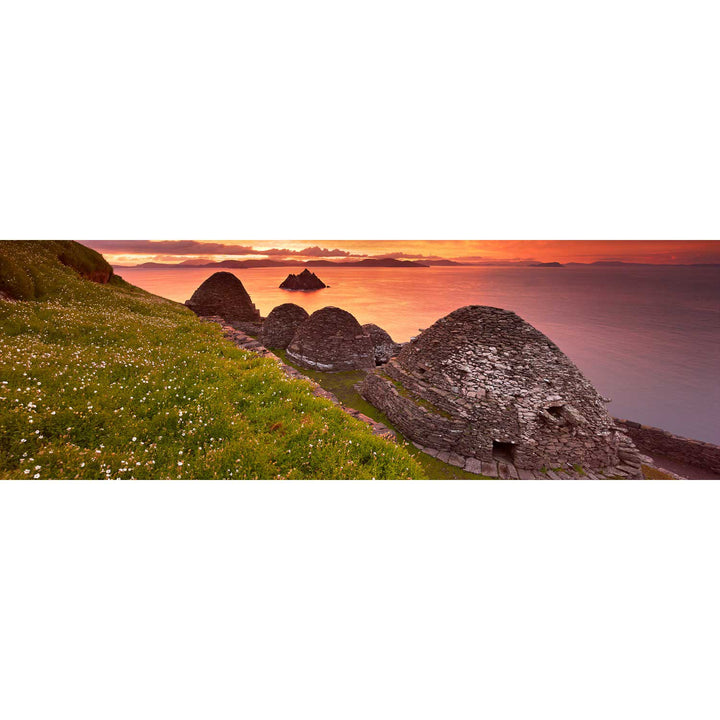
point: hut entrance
(503, 451)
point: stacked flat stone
(331, 339)
(482, 386)
(223, 294)
(281, 325)
(383, 344)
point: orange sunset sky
(133, 252)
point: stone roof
(281, 324)
(223, 294)
(332, 339)
(482, 383)
(383, 344)
(306, 280)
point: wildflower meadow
(107, 381)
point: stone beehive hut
(332, 339)
(383, 345)
(223, 294)
(281, 325)
(484, 386)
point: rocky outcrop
(482, 386)
(306, 280)
(331, 339)
(223, 294)
(383, 345)
(281, 325)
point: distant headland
(389, 263)
(247, 264)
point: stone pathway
(246, 342)
(628, 468)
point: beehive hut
(383, 345)
(482, 387)
(331, 339)
(281, 325)
(306, 280)
(223, 294)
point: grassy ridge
(21, 278)
(107, 381)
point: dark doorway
(556, 411)
(503, 451)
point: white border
(322, 120)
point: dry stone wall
(654, 440)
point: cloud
(168, 248)
(313, 251)
(488, 252)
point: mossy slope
(110, 381)
(23, 278)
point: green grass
(23, 279)
(108, 381)
(342, 385)
(653, 473)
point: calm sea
(647, 337)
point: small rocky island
(306, 280)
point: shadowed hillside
(26, 275)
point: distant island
(306, 280)
(392, 263)
(245, 264)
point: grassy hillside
(343, 386)
(107, 381)
(23, 279)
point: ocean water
(647, 337)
